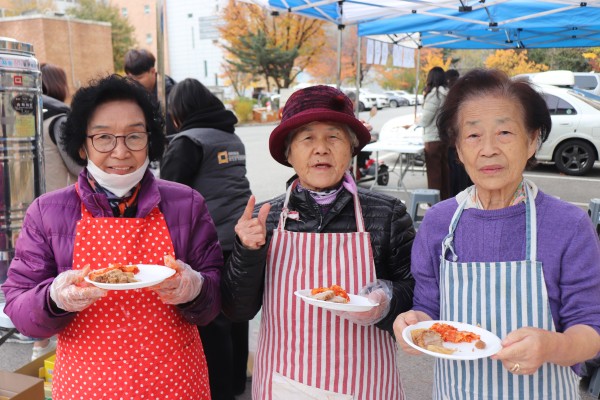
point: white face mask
(115, 183)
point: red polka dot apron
(128, 345)
(308, 353)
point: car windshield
(586, 97)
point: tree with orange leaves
(325, 66)
(297, 38)
(513, 62)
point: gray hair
(288, 140)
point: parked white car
(365, 101)
(381, 99)
(574, 141)
(412, 99)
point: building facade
(82, 48)
(194, 50)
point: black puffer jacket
(386, 220)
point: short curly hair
(104, 90)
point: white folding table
(410, 148)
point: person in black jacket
(208, 156)
(323, 233)
(139, 66)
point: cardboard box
(20, 387)
(26, 383)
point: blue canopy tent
(460, 24)
(498, 25)
(464, 24)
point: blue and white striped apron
(501, 297)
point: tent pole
(357, 98)
(160, 54)
(339, 57)
(417, 80)
(358, 71)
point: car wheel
(574, 157)
(361, 106)
(393, 103)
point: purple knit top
(568, 248)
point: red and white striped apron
(129, 344)
(305, 352)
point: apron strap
(530, 226)
(285, 212)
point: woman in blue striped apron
(504, 255)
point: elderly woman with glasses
(140, 343)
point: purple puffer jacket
(45, 248)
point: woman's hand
(524, 350)
(182, 287)
(253, 231)
(71, 293)
(402, 321)
(379, 292)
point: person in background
(125, 343)
(459, 179)
(60, 169)
(323, 231)
(208, 156)
(436, 152)
(505, 255)
(140, 66)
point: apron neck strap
(530, 226)
(285, 212)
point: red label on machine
(18, 80)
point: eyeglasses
(105, 142)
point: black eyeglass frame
(116, 141)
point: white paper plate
(149, 275)
(464, 351)
(357, 303)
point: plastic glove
(182, 287)
(381, 292)
(71, 293)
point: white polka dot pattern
(128, 345)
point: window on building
(209, 27)
(124, 12)
(149, 38)
(147, 9)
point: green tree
(256, 55)
(571, 59)
(122, 31)
(291, 41)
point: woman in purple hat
(323, 231)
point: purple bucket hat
(315, 103)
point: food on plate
(430, 340)
(115, 273)
(433, 339)
(453, 335)
(334, 294)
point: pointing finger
(247, 215)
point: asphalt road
(267, 179)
